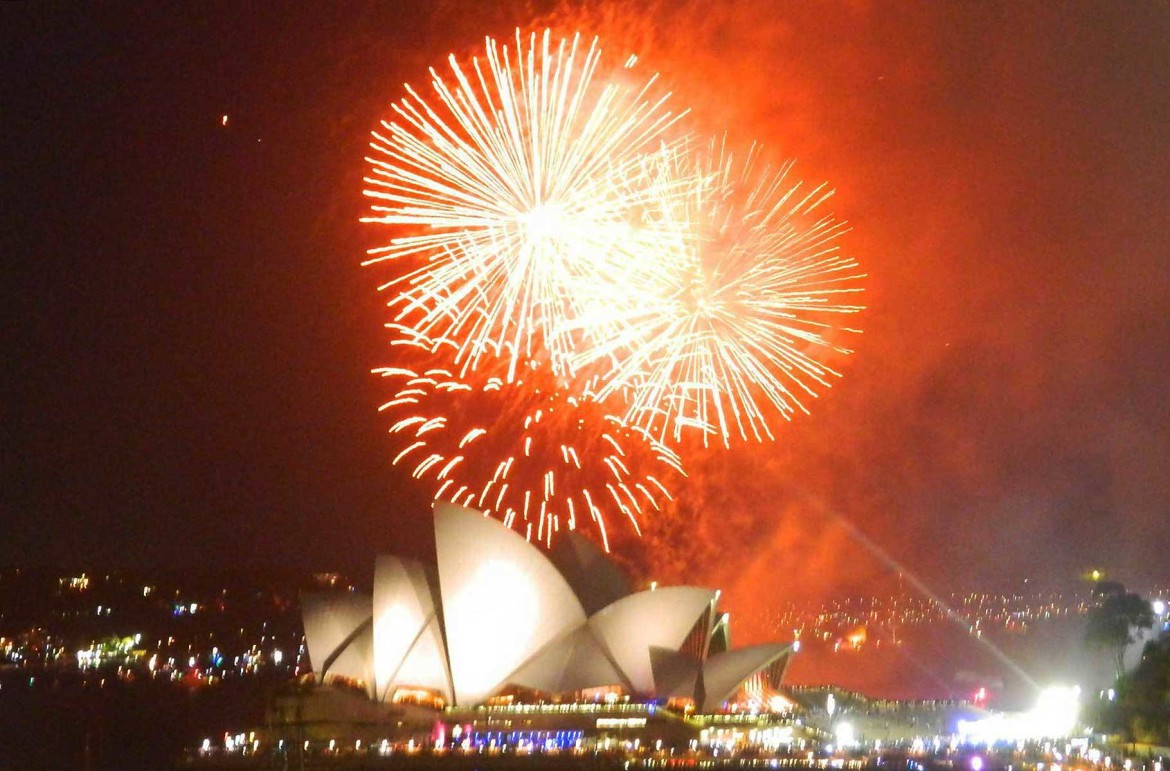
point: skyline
(898, 646)
(193, 335)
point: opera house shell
(495, 612)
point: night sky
(188, 336)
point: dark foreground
(119, 726)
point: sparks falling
(531, 452)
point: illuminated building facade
(497, 615)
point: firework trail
(532, 452)
(516, 184)
(726, 333)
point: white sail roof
(660, 618)
(724, 672)
(337, 635)
(498, 611)
(502, 600)
(572, 662)
(408, 641)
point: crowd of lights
(553, 220)
(770, 741)
(852, 623)
(167, 636)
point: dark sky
(188, 336)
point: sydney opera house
(496, 618)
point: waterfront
(1036, 758)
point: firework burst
(532, 452)
(732, 329)
(514, 188)
(574, 286)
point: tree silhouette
(1113, 624)
(1139, 706)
